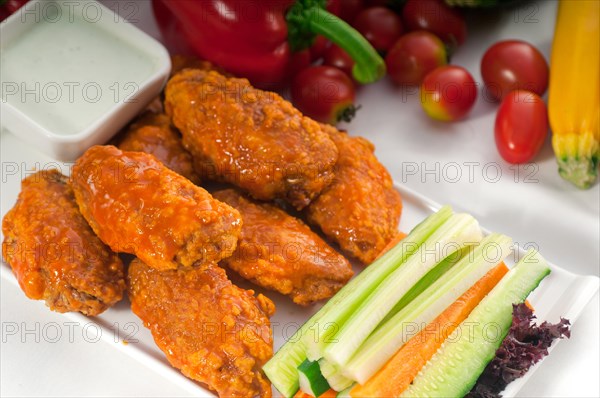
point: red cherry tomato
(319, 47)
(379, 3)
(380, 26)
(349, 9)
(298, 61)
(334, 6)
(337, 57)
(414, 55)
(521, 126)
(511, 65)
(324, 93)
(435, 16)
(448, 93)
(321, 44)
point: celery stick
(345, 393)
(325, 330)
(425, 281)
(334, 376)
(282, 368)
(459, 231)
(391, 336)
(457, 365)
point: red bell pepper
(8, 7)
(261, 40)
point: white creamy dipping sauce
(66, 71)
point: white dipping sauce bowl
(74, 73)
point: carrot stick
(302, 394)
(397, 374)
(327, 394)
(399, 236)
(528, 304)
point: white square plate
(562, 294)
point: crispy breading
(153, 133)
(213, 331)
(251, 138)
(361, 209)
(137, 205)
(280, 252)
(54, 253)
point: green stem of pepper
(306, 19)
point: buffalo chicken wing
(361, 209)
(280, 252)
(152, 133)
(137, 205)
(213, 331)
(251, 138)
(54, 253)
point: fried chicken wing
(280, 252)
(137, 205)
(361, 209)
(152, 133)
(250, 138)
(54, 253)
(213, 331)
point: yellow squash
(574, 97)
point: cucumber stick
(459, 231)
(457, 365)
(334, 376)
(311, 380)
(282, 368)
(392, 335)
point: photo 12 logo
(72, 11)
(67, 332)
(67, 92)
(468, 172)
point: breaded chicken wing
(361, 209)
(251, 138)
(137, 205)
(54, 253)
(280, 252)
(152, 133)
(213, 331)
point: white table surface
(456, 163)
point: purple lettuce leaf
(525, 344)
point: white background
(533, 205)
